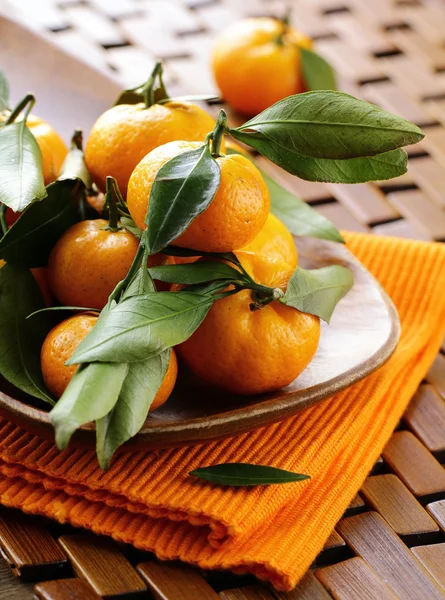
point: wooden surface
(197, 411)
(392, 538)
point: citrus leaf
(130, 411)
(4, 92)
(142, 283)
(90, 395)
(327, 124)
(32, 237)
(192, 273)
(244, 474)
(183, 188)
(326, 170)
(21, 178)
(131, 226)
(20, 339)
(74, 166)
(318, 291)
(143, 326)
(317, 72)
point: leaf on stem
(317, 72)
(130, 411)
(143, 326)
(318, 291)
(32, 237)
(21, 178)
(244, 474)
(91, 394)
(74, 166)
(327, 124)
(193, 273)
(21, 339)
(326, 170)
(183, 188)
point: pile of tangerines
(248, 341)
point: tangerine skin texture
(61, 342)
(236, 214)
(124, 134)
(252, 70)
(58, 346)
(251, 352)
(275, 241)
(88, 262)
(51, 145)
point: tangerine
(124, 134)
(253, 351)
(236, 214)
(88, 262)
(257, 62)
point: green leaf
(130, 412)
(198, 272)
(142, 283)
(183, 188)
(4, 92)
(298, 216)
(131, 226)
(32, 237)
(327, 124)
(318, 291)
(317, 72)
(21, 178)
(20, 339)
(244, 474)
(91, 394)
(74, 166)
(354, 170)
(143, 326)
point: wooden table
(390, 543)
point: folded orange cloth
(275, 532)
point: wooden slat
(357, 65)
(387, 495)
(437, 510)
(418, 83)
(401, 228)
(436, 374)
(373, 540)
(420, 211)
(100, 563)
(364, 201)
(434, 143)
(29, 548)
(356, 505)
(415, 466)
(425, 416)
(94, 25)
(341, 217)
(309, 588)
(353, 579)
(65, 589)
(11, 588)
(421, 50)
(432, 558)
(360, 33)
(394, 99)
(175, 582)
(253, 592)
(428, 175)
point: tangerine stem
(216, 137)
(285, 20)
(148, 89)
(3, 224)
(27, 100)
(111, 204)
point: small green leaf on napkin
(244, 474)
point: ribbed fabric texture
(275, 532)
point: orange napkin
(275, 532)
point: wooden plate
(363, 333)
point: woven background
(385, 51)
